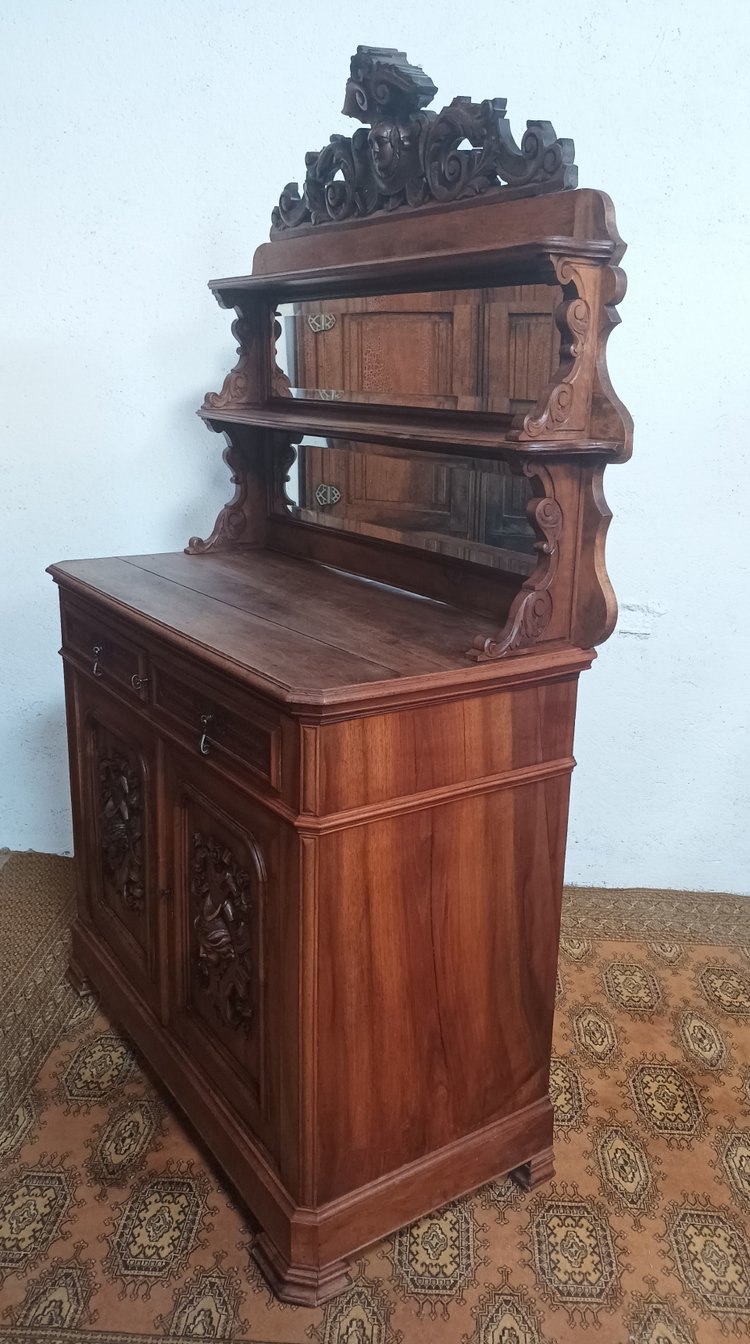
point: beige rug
(114, 1227)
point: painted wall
(142, 149)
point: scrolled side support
(241, 386)
(242, 520)
(562, 410)
(532, 609)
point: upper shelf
(464, 435)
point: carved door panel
(117, 781)
(226, 864)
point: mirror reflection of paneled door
(468, 350)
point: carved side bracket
(243, 520)
(532, 608)
(609, 418)
(233, 525)
(595, 615)
(240, 385)
(563, 408)
(413, 157)
(284, 456)
(245, 384)
(280, 384)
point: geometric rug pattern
(116, 1229)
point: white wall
(144, 147)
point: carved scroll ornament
(232, 526)
(563, 407)
(220, 889)
(414, 157)
(531, 610)
(121, 822)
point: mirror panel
(488, 350)
(470, 508)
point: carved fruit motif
(121, 817)
(220, 891)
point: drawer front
(218, 721)
(111, 655)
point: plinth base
(301, 1284)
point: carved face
(384, 141)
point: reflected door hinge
(318, 322)
(327, 494)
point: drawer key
(97, 651)
(206, 721)
(138, 682)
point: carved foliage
(531, 610)
(411, 156)
(221, 896)
(121, 828)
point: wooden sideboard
(320, 761)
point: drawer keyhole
(97, 670)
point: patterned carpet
(114, 1227)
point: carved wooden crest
(412, 156)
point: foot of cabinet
(301, 1284)
(541, 1168)
(79, 981)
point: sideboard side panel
(438, 933)
(375, 759)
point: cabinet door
(230, 857)
(117, 828)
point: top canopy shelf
(519, 240)
(518, 263)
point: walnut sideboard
(320, 761)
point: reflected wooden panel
(487, 350)
(469, 508)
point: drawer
(111, 655)
(218, 720)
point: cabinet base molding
(304, 1251)
(302, 1285)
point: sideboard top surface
(300, 625)
(299, 631)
